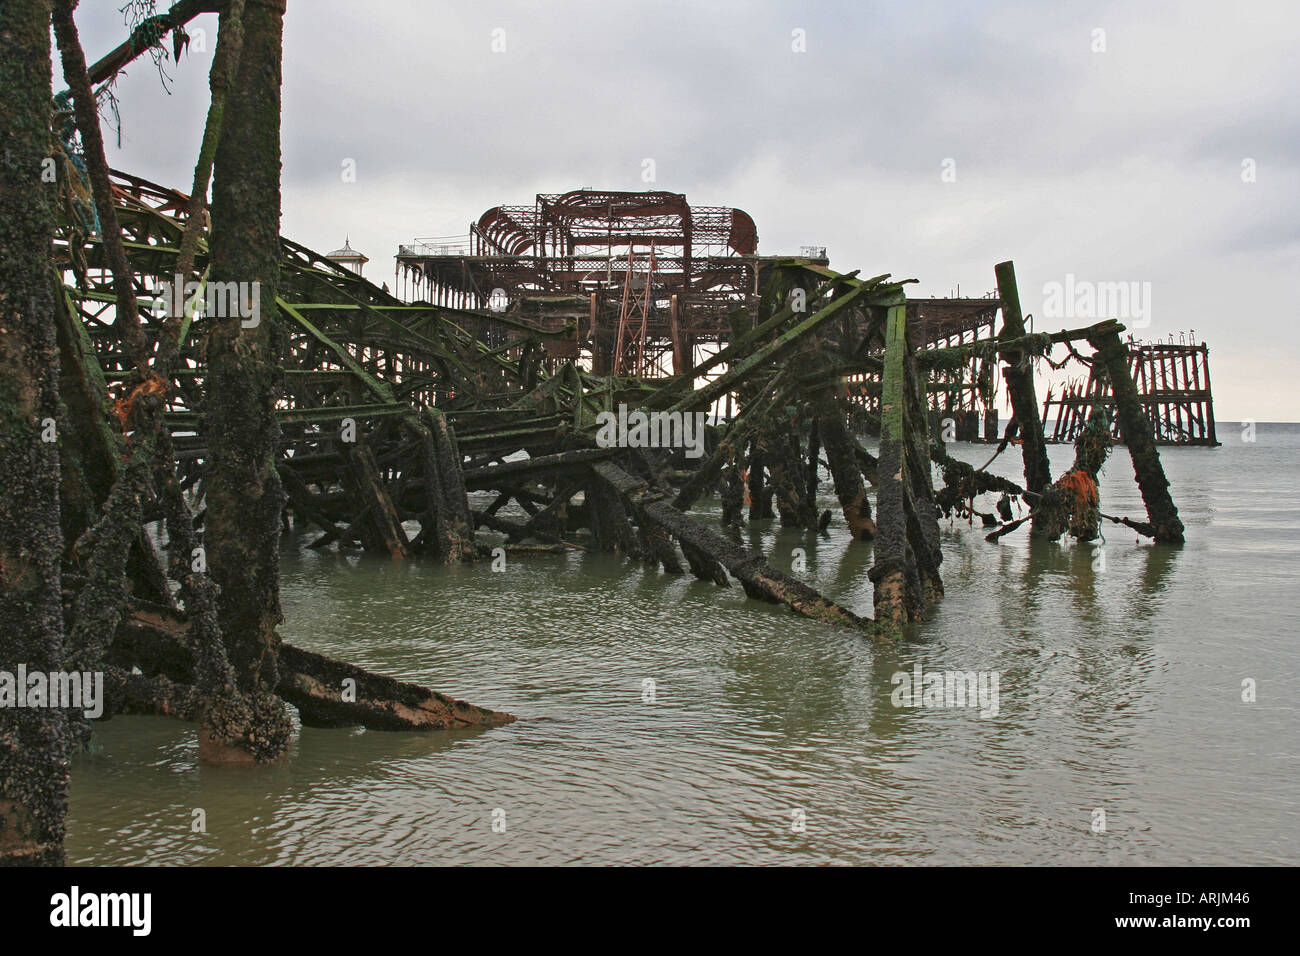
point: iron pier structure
(645, 285)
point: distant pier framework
(645, 285)
(1173, 380)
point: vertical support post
(448, 524)
(890, 572)
(601, 344)
(924, 549)
(381, 526)
(33, 742)
(681, 364)
(846, 475)
(991, 425)
(1019, 376)
(1209, 395)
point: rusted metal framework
(1173, 380)
(641, 276)
(965, 392)
(643, 284)
(580, 242)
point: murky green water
(1120, 690)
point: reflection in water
(1119, 690)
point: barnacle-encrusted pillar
(898, 597)
(244, 494)
(33, 742)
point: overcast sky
(1129, 142)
